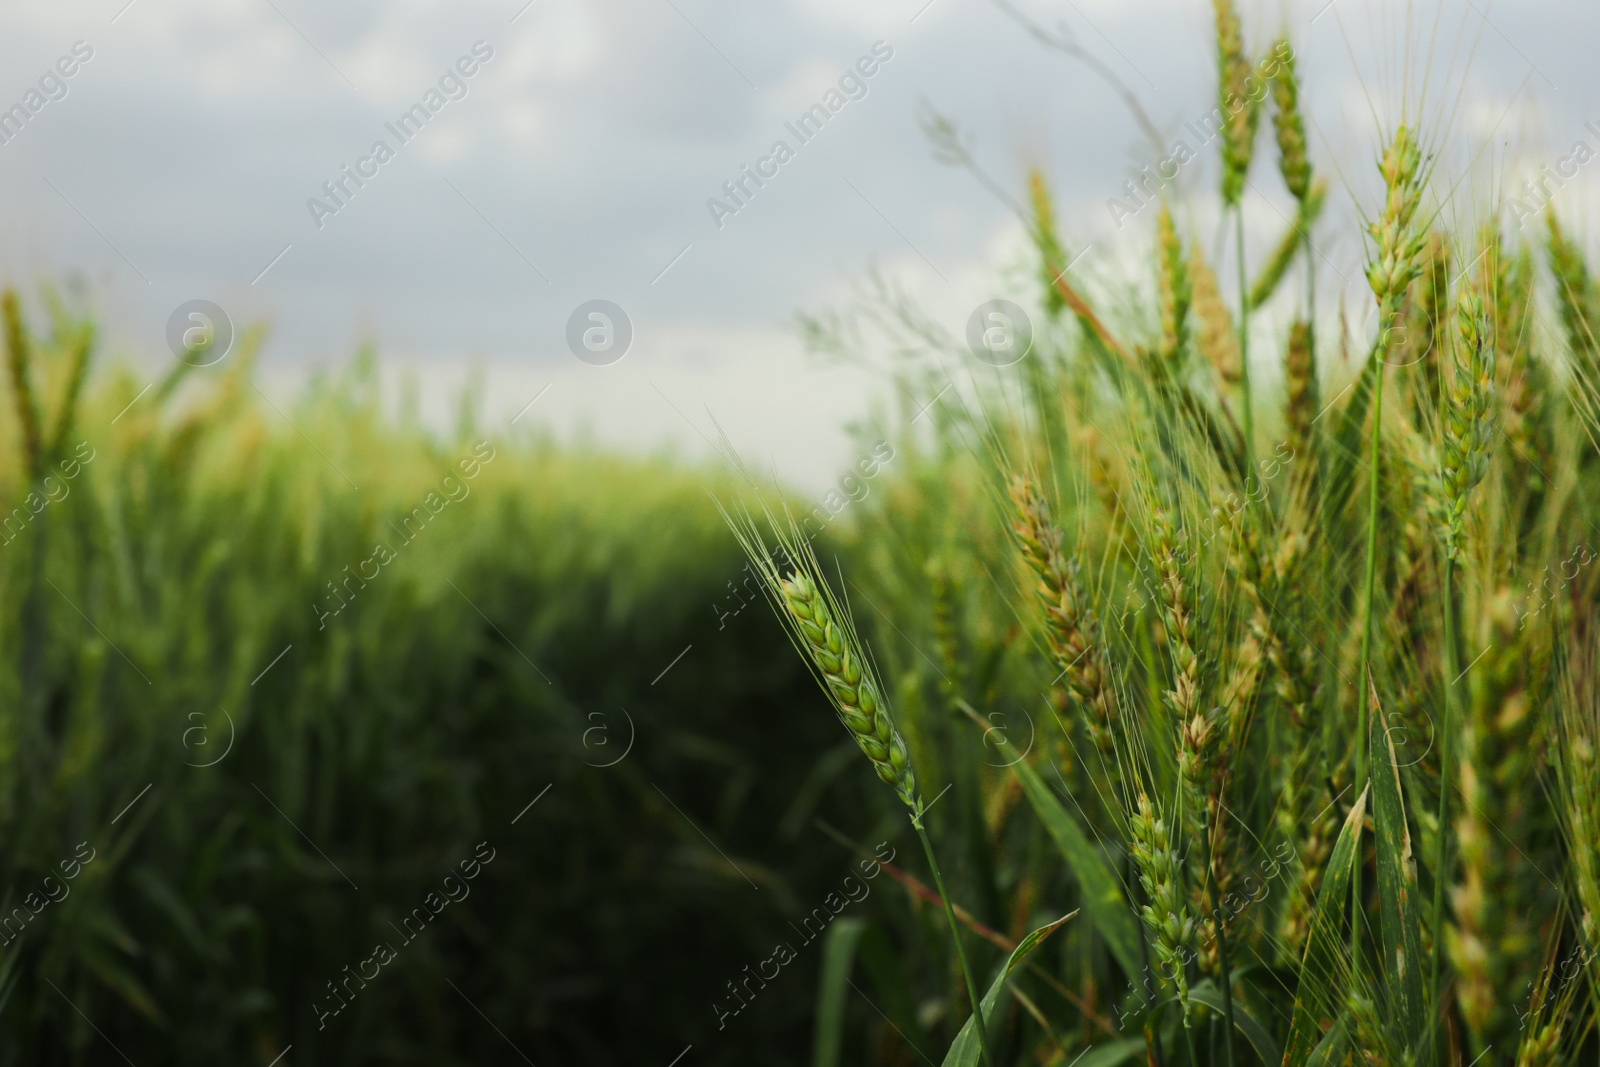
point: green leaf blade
(838, 957)
(1399, 924)
(1103, 898)
(966, 1050)
(1319, 1000)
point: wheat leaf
(1320, 998)
(1208, 994)
(965, 1050)
(838, 956)
(1399, 925)
(1103, 898)
(1111, 1053)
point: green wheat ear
(832, 652)
(822, 631)
(1468, 423)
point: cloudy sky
(576, 161)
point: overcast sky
(576, 160)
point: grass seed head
(18, 357)
(1300, 387)
(1575, 293)
(1052, 257)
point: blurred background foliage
(520, 642)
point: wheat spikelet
(1578, 796)
(1197, 734)
(1541, 1046)
(1047, 241)
(942, 597)
(1399, 242)
(1168, 547)
(1575, 295)
(1506, 284)
(1103, 479)
(1300, 388)
(1293, 659)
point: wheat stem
(1369, 584)
(955, 936)
(1244, 352)
(1222, 947)
(1446, 764)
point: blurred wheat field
(274, 739)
